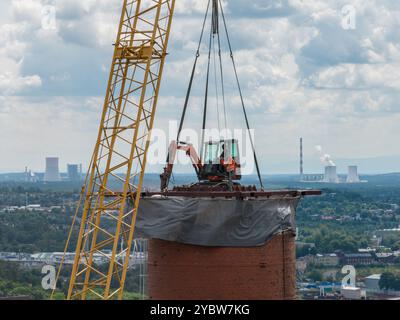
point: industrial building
(331, 174)
(312, 177)
(52, 173)
(30, 176)
(74, 172)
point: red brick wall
(184, 272)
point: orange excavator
(221, 163)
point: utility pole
(301, 160)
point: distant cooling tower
(352, 176)
(331, 175)
(52, 173)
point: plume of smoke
(326, 159)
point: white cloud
(357, 77)
(12, 54)
(11, 83)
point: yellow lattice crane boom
(109, 203)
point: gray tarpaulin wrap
(215, 222)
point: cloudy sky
(326, 70)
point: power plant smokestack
(301, 160)
(352, 176)
(331, 175)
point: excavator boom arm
(172, 151)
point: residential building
(353, 293)
(326, 260)
(385, 233)
(372, 283)
(385, 257)
(372, 286)
(357, 259)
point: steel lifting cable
(222, 81)
(206, 95)
(215, 18)
(241, 97)
(189, 90)
(216, 85)
(213, 31)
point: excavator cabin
(221, 161)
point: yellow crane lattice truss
(109, 203)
